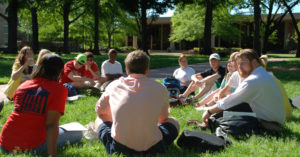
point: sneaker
(190, 101)
(91, 133)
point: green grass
(287, 144)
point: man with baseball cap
(208, 80)
(73, 75)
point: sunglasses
(80, 63)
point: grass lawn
(287, 144)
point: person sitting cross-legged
(133, 112)
(33, 125)
(111, 69)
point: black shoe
(1, 105)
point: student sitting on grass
(92, 70)
(258, 89)
(184, 73)
(39, 104)
(21, 71)
(73, 75)
(40, 56)
(111, 69)
(133, 112)
(216, 74)
(228, 85)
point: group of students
(133, 111)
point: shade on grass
(287, 144)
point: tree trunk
(35, 30)
(256, 39)
(144, 27)
(12, 22)
(109, 40)
(66, 10)
(265, 40)
(96, 36)
(207, 27)
(298, 48)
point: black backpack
(236, 126)
(201, 141)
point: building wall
(3, 28)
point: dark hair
(50, 67)
(111, 51)
(89, 54)
(137, 62)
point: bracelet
(209, 112)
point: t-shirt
(69, 67)
(25, 128)
(184, 75)
(263, 95)
(94, 67)
(221, 71)
(136, 104)
(234, 80)
(109, 68)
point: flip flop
(199, 124)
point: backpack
(201, 141)
(236, 126)
(173, 86)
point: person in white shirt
(258, 89)
(184, 73)
(111, 69)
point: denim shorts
(168, 130)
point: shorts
(168, 130)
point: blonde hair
(264, 61)
(41, 54)
(233, 56)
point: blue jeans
(64, 137)
(168, 130)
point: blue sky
(296, 9)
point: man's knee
(173, 121)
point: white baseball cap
(215, 56)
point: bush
(223, 51)
(127, 48)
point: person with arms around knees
(92, 70)
(208, 80)
(111, 69)
(258, 89)
(21, 70)
(73, 75)
(39, 104)
(133, 112)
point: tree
(68, 8)
(96, 19)
(141, 9)
(289, 8)
(273, 19)
(188, 23)
(12, 21)
(257, 21)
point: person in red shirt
(39, 104)
(92, 70)
(74, 75)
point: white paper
(76, 97)
(232, 113)
(74, 126)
